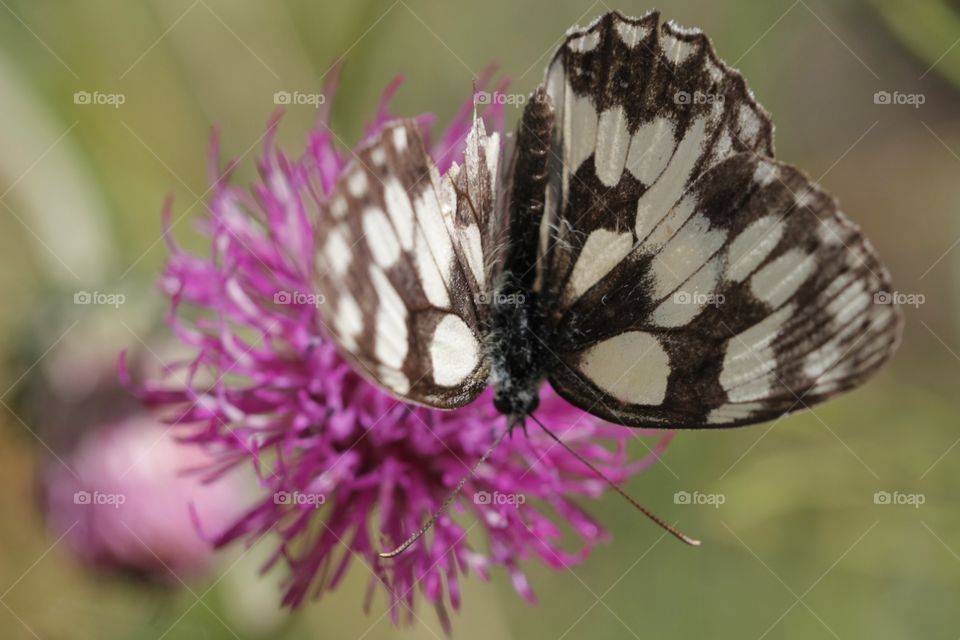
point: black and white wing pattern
(400, 264)
(641, 110)
(689, 279)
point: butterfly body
(519, 360)
(520, 357)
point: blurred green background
(799, 549)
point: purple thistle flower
(347, 469)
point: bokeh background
(800, 548)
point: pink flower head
(123, 502)
(348, 470)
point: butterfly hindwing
(753, 298)
(400, 266)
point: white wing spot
(750, 361)
(401, 212)
(670, 224)
(348, 322)
(454, 351)
(690, 299)
(733, 412)
(821, 360)
(602, 251)
(432, 226)
(357, 183)
(379, 156)
(830, 232)
(854, 300)
(390, 341)
(804, 198)
(676, 50)
(749, 249)
(446, 194)
(722, 149)
(338, 207)
(749, 123)
(380, 237)
(633, 367)
(650, 149)
(337, 252)
(781, 278)
(431, 278)
(394, 379)
(656, 201)
(580, 131)
(472, 246)
(692, 246)
(492, 154)
(613, 141)
(716, 73)
(766, 173)
(586, 42)
(556, 83)
(400, 138)
(632, 34)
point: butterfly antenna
(676, 533)
(449, 499)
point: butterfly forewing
(400, 264)
(641, 110)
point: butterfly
(635, 244)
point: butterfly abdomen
(518, 355)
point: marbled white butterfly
(636, 245)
